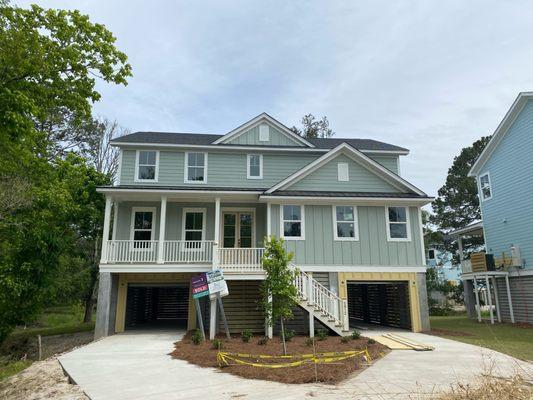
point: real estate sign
(199, 285)
(217, 283)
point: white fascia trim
(186, 168)
(501, 130)
(136, 173)
(407, 225)
(257, 120)
(248, 165)
(149, 268)
(355, 223)
(357, 157)
(170, 192)
(362, 268)
(422, 245)
(340, 200)
(253, 148)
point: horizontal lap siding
(508, 215)
(522, 298)
(360, 179)
(389, 162)
(372, 248)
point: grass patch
(514, 340)
(10, 367)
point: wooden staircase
(322, 304)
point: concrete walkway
(136, 366)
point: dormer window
(147, 166)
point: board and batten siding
(372, 248)
(360, 179)
(228, 169)
(174, 220)
(276, 138)
(508, 215)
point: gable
(359, 178)
(273, 135)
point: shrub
(356, 335)
(196, 337)
(371, 341)
(309, 341)
(345, 339)
(289, 335)
(216, 344)
(322, 334)
(263, 341)
(246, 335)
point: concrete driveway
(136, 366)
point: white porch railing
(190, 251)
(129, 251)
(322, 299)
(241, 259)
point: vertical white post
(269, 328)
(310, 301)
(269, 220)
(478, 306)
(105, 235)
(496, 294)
(215, 265)
(115, 221)
(511, 312)
(489, 298)
(310, 294)
(162, 227)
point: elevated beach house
(504, 173)
(187, 203)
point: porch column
(105, 235)
(478, 306)
(115, 220)
(215, 264)
(496, 299)
(269, 220)
(310, 302)
(489, 298)
(511, 312)
(162, 227)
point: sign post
(199, 289)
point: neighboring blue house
(504, 172)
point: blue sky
(432, 76)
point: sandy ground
(41, 380)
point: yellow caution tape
(320, 358)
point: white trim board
(356, 156)
(501, 131)
(262, 118)
(154, 267)
(362, 268)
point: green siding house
(190, 203)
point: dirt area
(205, 355)
(41, 380)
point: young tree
(313, 128)
(279, 295)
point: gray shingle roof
(206, 139)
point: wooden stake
(40, 347)
(226, 327)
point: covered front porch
(183, 231)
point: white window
(345, 225)
(147, 166)
(264, 133)
(255, 166)
(398, 224)
(195, 167)
(484, 186)
(342, 172)
(292, 222)
(142, 227)
(194, 223)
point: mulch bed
(205, 355)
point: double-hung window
(147, 166)
(254, 166)
(398, 224)
(292, 222)
(142, 232)
(485, 187)
(195, 167)
(345, 223)
(194, 223)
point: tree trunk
(283, 337)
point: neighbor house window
(147, 165)
(398, 224)
(432, 254)
(255, 166)
(345, 223)
(484, 185)
(142, 232)
(292, 222)
(342, 172)
(194, 226)
(195, 167)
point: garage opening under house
(189, 203)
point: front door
(237, 229)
